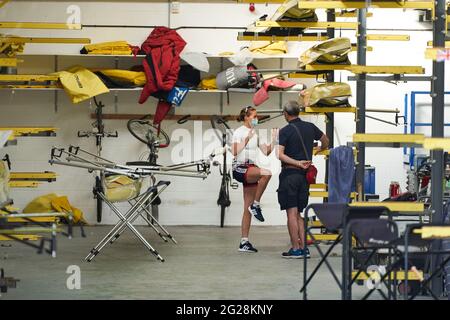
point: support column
(437, 172)
(361, 100)
(331, 17)
(360, 128)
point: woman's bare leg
(262, 176)
(249, 197)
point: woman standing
(244, 149)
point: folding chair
(371, 236)
(423, 235)
(334, 217)
(331, 216)
(138, 206)
(355, 215)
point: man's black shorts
(293, 191)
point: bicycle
(99, 133)
(155, 138)
(224, 133)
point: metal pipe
(132, 173)
(437, 170)
(393, 78)
(329, 125)
(360, 128)
(34, 215)
(92, 154)
(383, 110)
(361, 100)
(381, 120)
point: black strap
(301, 139)
(151, 64)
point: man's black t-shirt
(289, 138)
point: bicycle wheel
(99, 188)
(148, 133)
(224, 199)
(221, 128)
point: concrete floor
(204, 265)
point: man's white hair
(292, 108)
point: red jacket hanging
(161, 65)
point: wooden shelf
(396, 140)
(447, 44)
(138, 89)
(78, 55)
(399, 275)
(211, 56)
(335, 4)
(33, 176)
(9, 62)
(324, 194)
(357, 69)
(22, 40)
(40, 25)
(23, 184)
(395, 206)
(437, 144)
(31, 131)
(281, 38)
(122, 116)
(323, 110)
(309, 25)
(326, 153)
(204, 117)
(25, 237)
(387, 140)
(388, 37)
(33, 219)
(27, 77)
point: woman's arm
(268, 148)
(237, 147)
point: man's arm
(324, 143)
(289, 161)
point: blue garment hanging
(340, 174)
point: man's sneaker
(247, 247)
(295, 254)
(256, 211)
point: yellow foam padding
(330, 51)
(54, 203)
(81, 84)
(42, 204)
(4, 181)
(121, 188)
(269, 47)
(109, 48)
(208, 84)
(433, 232)
(62, 204)
(134, 77)
(329, 93)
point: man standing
(295, 157)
